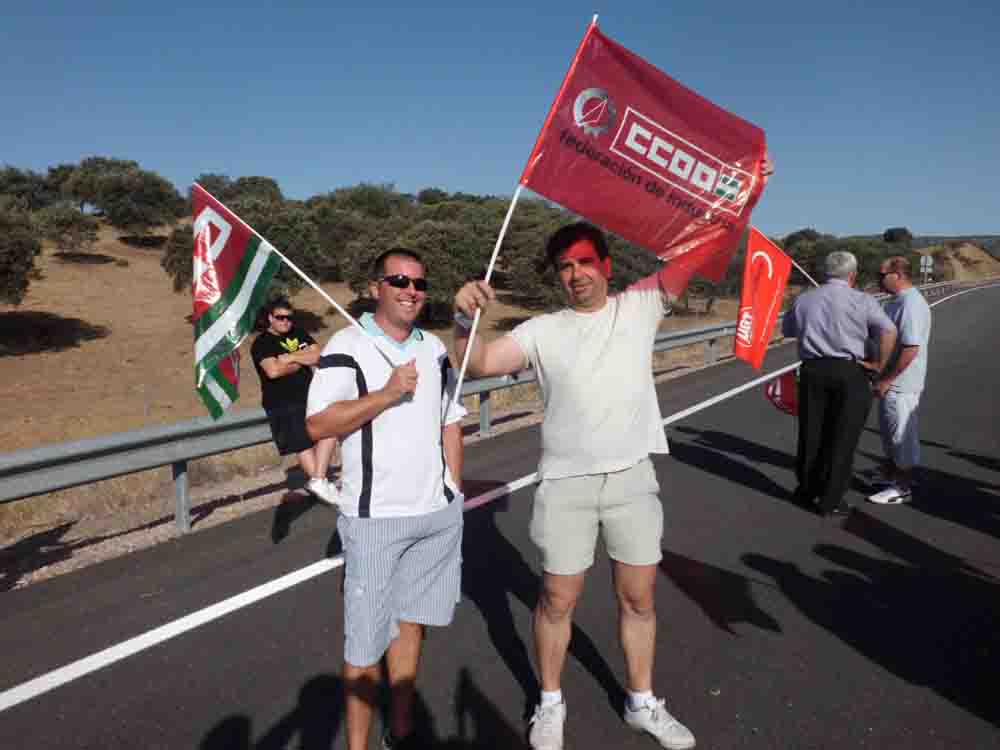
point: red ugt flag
(765, 275)
(783, 393)
(636, 152)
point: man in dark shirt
(284, 356)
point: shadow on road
(723, 596)
(493, 570)
(317, 720)
(926, 616)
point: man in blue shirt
(899, 386)
(833, 324)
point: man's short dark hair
(279, 302)
(378, 265)
(563, 238)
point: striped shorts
(398, 569)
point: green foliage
(136, 201)
(216, 184)
(252, 188)
(70, 230)
(177, 258)
(430, 196)
(18, 247)
(25, 190)
(132, 199)
(898, 236)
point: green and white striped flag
(233, 268)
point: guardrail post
(182, 507)
(484, 413)
(711, 351)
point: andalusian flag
(233, 268)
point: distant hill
(989, 242)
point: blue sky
(876, 114)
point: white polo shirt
(394, 465)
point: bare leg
(307, 460)
(323, 452)
(359, 686)
(402, 660)
(553, 624)
(634, 586)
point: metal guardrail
(36, 471)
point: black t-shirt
(287, 390)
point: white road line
(82, 667)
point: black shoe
(840, 513)
(804, 498)
(409, 742)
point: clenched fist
(475, 294)
(402, 381)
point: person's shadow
(928, 617)
(317, 720)
(493, 570)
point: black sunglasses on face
(402, 281)
(281, 317)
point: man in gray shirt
(832, 324)
(901, 383)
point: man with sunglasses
(284, 356)
(401, 504)
(900, 384)
(602, 420)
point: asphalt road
(777, 629)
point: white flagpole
(475, 320)
(309, 281)
(802, 270)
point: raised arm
(502, 356)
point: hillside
(961, 261)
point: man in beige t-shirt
(602, 420)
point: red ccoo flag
(636, 152)
(765, 275)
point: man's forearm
(887, 342)
(906, 357)
(344, 417)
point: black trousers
(835, 397)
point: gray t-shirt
(596, 375)
(912, 316)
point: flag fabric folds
(634, 151)
(783, 392)
(233, 268)
(765, 276)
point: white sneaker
(657, 721)
(547, 727)
(324, 490)
(891, 495)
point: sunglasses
(281, 317)
(402, 281)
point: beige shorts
(623, 505)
